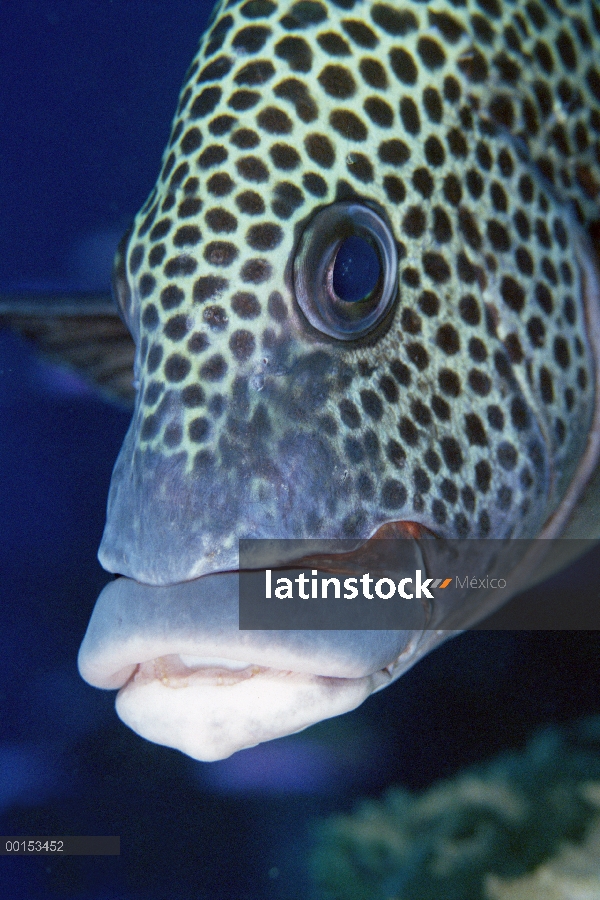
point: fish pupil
(356, 270)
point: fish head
(356, 305)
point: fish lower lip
(190, 679)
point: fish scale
(473, 128)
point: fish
(364, 302)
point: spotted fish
(283, 392)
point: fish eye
(346, 270)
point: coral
(475, 836)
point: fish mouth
(189, 678)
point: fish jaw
(190, 679)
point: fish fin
(83, 332)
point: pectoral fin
(83, 332)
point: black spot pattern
(482, 377)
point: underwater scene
(476, 774)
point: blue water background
(87, 91)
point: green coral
(504, 818)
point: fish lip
(558, 521)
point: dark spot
(393, 152)
(413, 224)
(447, 339)
(241, 344)
(429, 303)
(394, 189)
(333, 44)
(207, 288)
(434, 152)
(284, 156)
(379, 112)
(438, 511)
(442, 229)
(418, 356)
(220, 253)
(216, 70)
(440, 408)
(512, 293)
(452, 189)
(176, 328)
(389, 389)
(276, 307)
(371, 404)
(337, 82)
(436, 267)
(214, 369)
(198, 430)
(396, 454)
(243, 100)
(393, 494)
(421, 413)
(423, 182)
(432, 103)
(498, 236)
(449, 491)
(220, 125)
(467, 224)
(451, 89)
(475, 431)
(403, 66)
(187, 236)
(198, 342)
(457, 143)
(180, 265)
(483, 476)
(349, 414)
(359, 167)
(252, 169)
(220, 184)
(561, 352)
(215, 317)
(176, 367)
(205, 103)
(544, 297)
(296, 52)
(410, 321)
(320, 150)
(250, 203)
(212, 156)
(220, 220)
(287, 198)
(432, 55)
(401, 372)
(394, 21)
(410, 116)
(348, 125)
(373, 73)
(297, 93)
(255, 73)
(479, 382)
(245, 305)
(245, 139)
(314, 184)
(524, 261)
(474, 66)
(251, 40)
(360, 33)
(256, 271)
(536, 331)
(264, 237)
(147, 284)
(191, 140)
